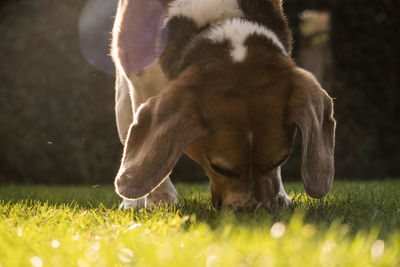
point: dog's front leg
(281, 199)
(165, 194)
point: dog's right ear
(162, 129)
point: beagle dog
(214, 79)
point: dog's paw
(127, 204)
(282, 201)
(165, 194)
(159, 197)
(151, 200)
(279, 201)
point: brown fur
(237, 120)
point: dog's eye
(224, 171)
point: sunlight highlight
(211, 261)
(75, 237)
(55, 243)
(125, 255)
(82, 263)
(377, 249)
(96, 246)
(327, 247)
(36, 261)
(278, 229)
(135, 225)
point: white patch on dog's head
(205, 12)
(237, 31)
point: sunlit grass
(357, 225)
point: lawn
(358, 224)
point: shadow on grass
(360, 205)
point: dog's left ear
(162, 129)
(311, 110)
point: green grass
(358, 224)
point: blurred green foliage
(56, 111)
(364, 39)
(57, 115)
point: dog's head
(238, 121)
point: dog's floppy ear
(311, 110)
(162, 129)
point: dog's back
(150, 37)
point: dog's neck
(219, 21)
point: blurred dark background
(57, 110)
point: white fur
(165, 193)
(237, 31)
(139, 203)
(286, 200)
(281, 188)
(205, 12)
